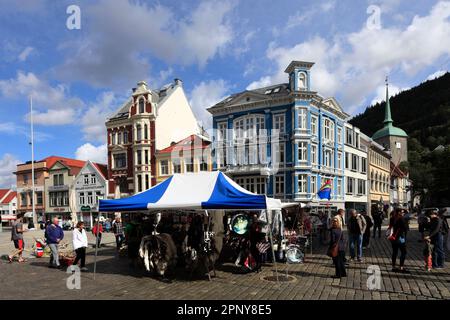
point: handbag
(333, 250)
(393, 237)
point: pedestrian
(377, 216)
(118, 232)
(423, 220)
(17, 238)
(341, 215)
(97, 231)
(338, 239)
(54, 235)
(427, 254)
(80, 243)
(107, 225)
(366, 235)
(436, 237)
(356, 229)
(397, 237)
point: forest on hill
(424, 113)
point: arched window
(138, 132)
(141, 105)
(145, 132)
(302, 81)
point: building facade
(148, 121)
(283, 140)
(60, 191)
(90, 185)
(355, 170)
(8, 206)
(400, 191)
(192, 154)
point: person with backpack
(17, 231)
(356, 228)
(436, 237)
(397, 236)
(366, 235)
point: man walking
(118, 232)
(54, 235)
(437, 240)
(377, 216)
(17, 237)
(356, 229)
(366, 235)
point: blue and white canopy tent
(202, 191)
(195, 191)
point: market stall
(207, 191)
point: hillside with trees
(424, 113)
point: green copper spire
(388, 129)
(387, 111)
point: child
(427, 250)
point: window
(203, 165)
(350, 185)
(339, 187)
(25, 179)
(327, 129)
(355, 161)
(361, 187)
(222, 131)
(164, 165)
(147, 182)
(139, 157)
(90, 198)
(339, 160)
(113, 138)
(339, 135)
(98, 195)
(278, 152)
(86, 179)
(314, 128)
(357, 140)
(363, 165)
(278, 121)
(141, 105)
(313, 185)
(189, 165)
(81, 198)
(302, 81)
(138, 132)
(279, 185)
(302, 119)
(176, 167)
(327, 158)
(221, 154)
(125, 137)
(39, 199)
(119, 138)
(58, 179)
(146, 157)
(349, 136)
(302, 151)
(120, 160)
(145, 132)
(253, 184)
(52, 196)
(313, 154)
(139, 180)
(302, 183)
(347, 160)
(93, 179)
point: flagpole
(32, 162)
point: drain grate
(281, 278)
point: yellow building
(379, 173)
(192, 154)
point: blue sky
(79, 77)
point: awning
(202, 190)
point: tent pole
(96, 244)
(271, 245)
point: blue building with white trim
(284, 140)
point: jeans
(119, 240)
(339, 264)
(355, 239)
(81, 256)
(438, 254)
(396, 245)
(54, 259)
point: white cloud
(94, 153)
(436, 74)
(23, 56)
(381, 93)
(355, 64)
(205, 95)
(8, 164)
(93, 120)
(116, 51)
(52, 104)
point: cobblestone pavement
(312, 280)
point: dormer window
(141, 105)
(302, 81)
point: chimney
(133, 89)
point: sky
(78, 77)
